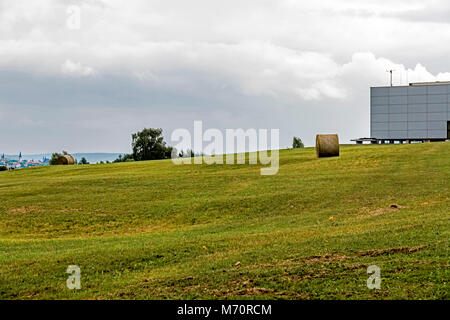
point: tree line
(149, 144)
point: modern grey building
(418, 112)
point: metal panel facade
(410, 112)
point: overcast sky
(304, 67)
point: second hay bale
(327, 145)
(65, 160)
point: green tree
(54, 158)
(124, 158)
(3, 168)
(83, 161)
(149, 144)
(297, 143)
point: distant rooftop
(417, 84)
(429, 83)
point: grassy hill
(156, 230)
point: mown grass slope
(156, 230)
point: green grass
(153, 230)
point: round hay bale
(66, 159)
(327, 145)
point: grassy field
(153, 230)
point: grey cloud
(302, 67)
(436, 12)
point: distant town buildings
(20, 163)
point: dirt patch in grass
(24, 210)
(336, 258)
(366, 212)
(253, 291)
(310, 260)
(308, 275)
(247, 288)
(323, 259)
(379, 252)
(71, 210)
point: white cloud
(76, 69)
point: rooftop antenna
(390, 71)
